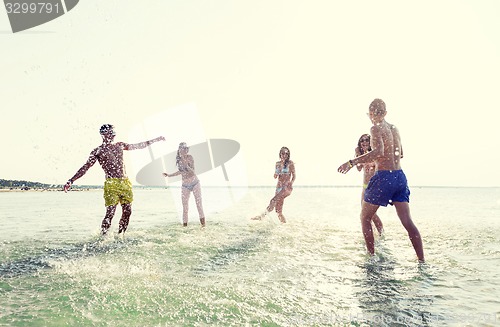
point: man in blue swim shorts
(387, 187)
(389, 184)
(117, 187)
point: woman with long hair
(368, 171)
(190, 182)
(285, 173)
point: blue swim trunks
(387, 186)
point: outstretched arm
(189, 168)
(177, 173)
(142, 145)
(376, 152)
(357, 153)
(90, 162)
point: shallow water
(55, 270)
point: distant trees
(27, 185)
(23, 185)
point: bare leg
(280, 200)
(272, 204)
(185, 205)
(279, 209)
(367, 212)
(126, 213)
(276, 198)
(376, 219)
(378, 224)
(276, 202)
(199, 206)
(403, 211)
(106, 222)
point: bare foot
(259, 217)
(271, 205)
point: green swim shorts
(117, 190)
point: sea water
(55, 269)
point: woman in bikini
(285, 173)
(368, 171)
(190, 182)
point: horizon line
(264, 186)
(249, 186)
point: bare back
(386, 139)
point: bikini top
(182, 167)
(283, 171)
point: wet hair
(182, 145)
(287, 159)
(106, 128)
(359, 149)
(378, 106)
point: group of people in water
(377, 154)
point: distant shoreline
(86, 188)
(6, 190)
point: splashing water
(313, 270)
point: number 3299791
(32, 8)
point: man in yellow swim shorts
(117, 187)
(117, 190)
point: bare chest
(110, 154)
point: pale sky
(265, 73)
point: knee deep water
(55, 270)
